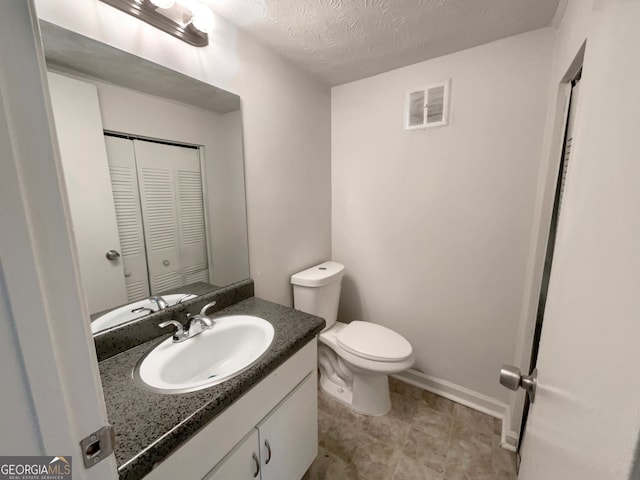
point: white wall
(571, 33)
(286, 116)
(230, 247)
(434, 226)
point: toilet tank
(316, 290)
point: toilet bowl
(354, 359)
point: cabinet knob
(256, 464)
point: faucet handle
(203, 320)
(179, 333)
(203, 312)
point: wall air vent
(427, 107)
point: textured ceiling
(343, 41)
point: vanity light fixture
(188, 20)
(202, 18)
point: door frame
(48, 310)
(547, 268)
(543, 217)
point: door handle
(112, 255)
(512, 378)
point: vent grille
(416, 108)
(435, 104)
(427, 107)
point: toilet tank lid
(319, 275)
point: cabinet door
(242, 463)
(289, 435)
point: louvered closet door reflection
(191, 231)
(173, 211)
(124, 183)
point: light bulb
(163, 3)
(202, 18)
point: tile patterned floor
(424, 437)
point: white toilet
(355, 359)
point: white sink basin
(129, 312)
(223, 351)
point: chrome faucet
(195, 326)
(198, 324)
(158, 300)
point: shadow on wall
(350, 304)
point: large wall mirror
(154, 172)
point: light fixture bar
(146, 11)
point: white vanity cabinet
(270, 433)
(281, 446)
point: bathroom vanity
(260, 424)
(266, 436)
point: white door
(126, 197)
(173, 214)
(86, 175)
(585, 420)
(44, 317)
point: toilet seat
(358, 360)
(373, 342)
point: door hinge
(98, 446)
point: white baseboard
(468, 398)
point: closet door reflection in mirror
(126, 199)
(159, 203)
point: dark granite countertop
(149, 426)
